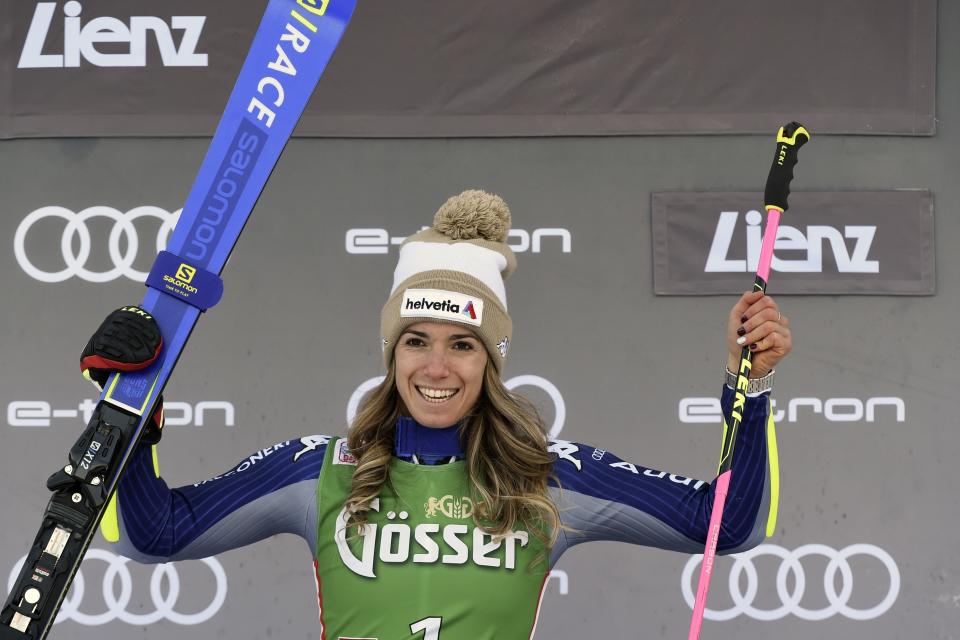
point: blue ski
(290, 50)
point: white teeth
(436, 395)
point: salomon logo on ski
(194, 285)
(220, 202)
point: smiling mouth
(437, 396)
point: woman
(444, 508)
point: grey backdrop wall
(867, 437)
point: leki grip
(789, 140)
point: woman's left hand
(757, 322)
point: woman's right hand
(128, 339)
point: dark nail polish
(753, 347)
(741, 331)
(743, 318)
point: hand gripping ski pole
(290, 50)
(789, 140)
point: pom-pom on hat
(454, 272)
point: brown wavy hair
(504, 439)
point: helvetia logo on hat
(443, 305)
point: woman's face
(439, 372)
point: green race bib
(422, 570)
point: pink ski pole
(789, 140)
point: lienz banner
(423, 68)
(855, 242)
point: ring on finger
(779, 315)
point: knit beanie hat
(454, 272)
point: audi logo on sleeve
(791, 571)
(117, 592)
(77, 244)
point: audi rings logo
(837, 603)
(559, 406)
(118, 605)
(76, 242)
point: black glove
(127, 340)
